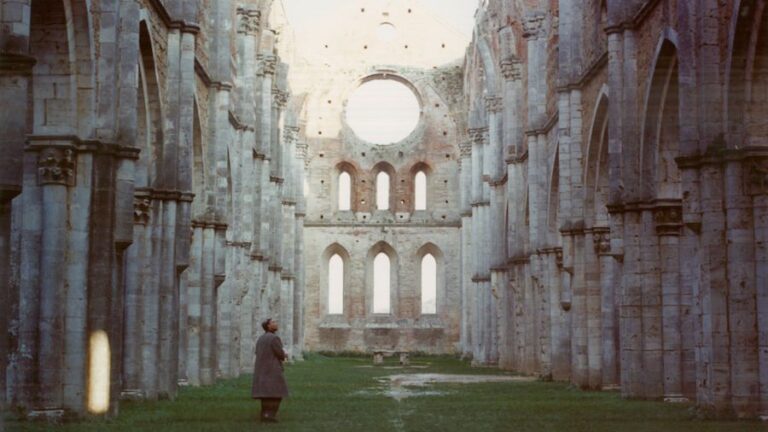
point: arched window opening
(428, 284)
(420, 193)
(345, 191)
(381, 287)
(336, 285)
(382, 191)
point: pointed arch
(420, 175)
(150, 128)
(382, 264)
(596, 179)
(383, 180)
(345, 187)
(747, 76)
(335, 262)
(660, 177)
(431, 263)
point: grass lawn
(343, 394)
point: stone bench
(378, 356)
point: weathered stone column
(15, 74)
(608, 308)
(742, 293)
(758, 180)
(468, 318)
(668, 224)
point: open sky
(458, 13)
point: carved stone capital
(142, 209)
(559, 257)
(465, 149)
(267, 64)
(279, 99)
(290, 134)
(478, 136)
(669, 220)
(249, 21)
(56, 165)
(533, 26)
(512, 69)
(301, 150)
(757, 176)
(601, 237)
(494, 104)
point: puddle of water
(403, 386)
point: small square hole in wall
(402, 181)
(322, 217)
(329, 102)
(363, 181)
(402, 201)
(365, 46)
(446, 201)
(399, 154)
(445, 181)
(406, 47)
(447, 156)
(365, 217)
(326, 45)
(321, 154)
(362, 9)
(437, 105)
(445, 133)
(443, 45)
(362, 201)
(363, 154)
(409, 11)
(322, 181)
(443, 217)
(319, 132)
(401, 216)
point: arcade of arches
(579, 191)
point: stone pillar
(15, 74)
(668, 225)
(742, 292)
(758, 181)
(468, 319)
(608, 308)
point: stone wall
(130, 196)
(635, 262)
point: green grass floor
(343, 394)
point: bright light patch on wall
(345, 191)
(306, 188)
(98, 373)
(428, 284)
(336, 285)
(382, 191)
(383, 111)
(386, 32)
(420, 195)
(381, 284)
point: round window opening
(383, 111)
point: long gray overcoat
(268, 378)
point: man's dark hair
(265, 324)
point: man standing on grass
(268, 381)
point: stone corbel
(142, 208)
(249, 21)
(512, 68)
(533, 26)
(601, 237)
(494, 104)
(478, 136)
(757, 176)
(668, 219)
(56, 165)
(267, 64)
(465, 150)
(279, 99)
